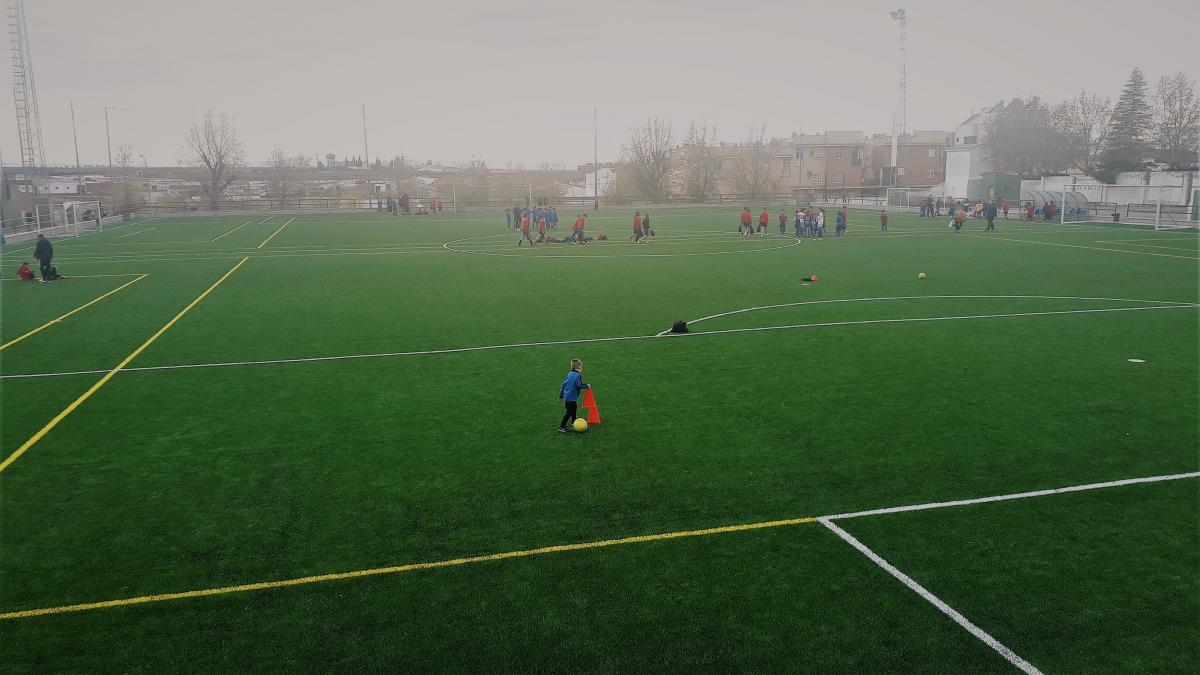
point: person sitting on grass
(568, 393)
(25, 273)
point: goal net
(1163, 207)
(70, 218)
(904, 199)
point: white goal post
(69, 218)
(1165, 207)
(905, 199)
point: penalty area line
(932, 599)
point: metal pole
(108, 142)
(366, 152)
(1158, 209)
(78, 166)
(3, 192)
(595, 161)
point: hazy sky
(516, 81)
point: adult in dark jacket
(44, 252)
(989, 212)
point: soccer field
(327, 443)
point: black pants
(45, 264)
(569, 417)
(991, 223)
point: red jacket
(745, 217)
(764, 218)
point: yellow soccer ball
(580, 424)
(921, 275)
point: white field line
(134, 234)
(85, 255)
(94, 276)
(518, 345)
(932, 599)
(260, 255)
(86, 234)
(921, 297)
(824, 520)
(1015, 495)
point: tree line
(1090, 134)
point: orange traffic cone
(589, 404)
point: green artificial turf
(190, 478)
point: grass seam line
(561, 548)
(932, 599)
(80, 308)
(222, 236)
(264, 242)
(109, 375)
(618, 338)
(377, 571)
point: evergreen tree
(1132, 122)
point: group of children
(808, 222)
(642, 231)
(547, 219)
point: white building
(967, 161)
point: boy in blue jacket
(569, 393)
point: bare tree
(1176, 122)
(752, 176)
(125, 159)
(214, 145)
(1085, 121)
(283, 168)
(648, 157)
(699, 166)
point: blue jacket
(571, 386)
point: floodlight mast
(900, 122)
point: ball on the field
(580, 425)
(921, 275)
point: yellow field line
(454, 562)
(1093, 248)
(222, 236)
(80, 308)
(109, 375)
(276, 232)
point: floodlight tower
(29, 124)
(900, 124)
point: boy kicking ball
(569, 394)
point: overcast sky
(516, 81)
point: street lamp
(107, 139)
